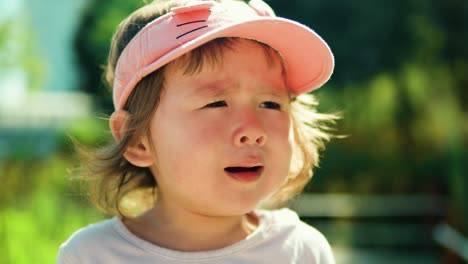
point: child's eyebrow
(213, 88)
(222, 87)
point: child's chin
(242, 209)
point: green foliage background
(400, 79)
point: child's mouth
(245, 174)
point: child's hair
(112, 179)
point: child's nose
(250, 132)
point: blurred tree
(92, 44)
(366, 38)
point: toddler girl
(212, 122)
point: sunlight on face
(221, 135)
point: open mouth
(243, 169)
(244, 174)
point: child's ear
(118, 123)
(138, 153)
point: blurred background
(395, 190)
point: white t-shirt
(280, 238)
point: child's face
(222, 136)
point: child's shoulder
(298, 235)
(288, 220)
(88, 239)
(94, 232)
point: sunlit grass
(34, 226)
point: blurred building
(39, 94)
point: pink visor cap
(307, 58)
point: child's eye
(271, 105)
(217, 104)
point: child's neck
(188, 231)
